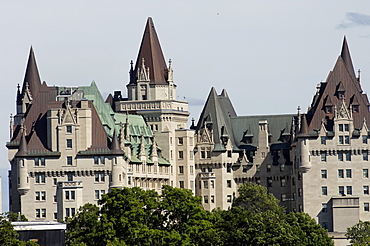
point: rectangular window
(346, 139)
(228, 199)
(69, 176)
(96, 177)
(205, 184)
(212, 184)
(102, 177)
(55, 181)
(181, 141)
(323, 156)
(340, 127)
(365, 173)
(40, 178)
(205, 199)
(325, 225)
(203, 154)
(191, 169)
(341, 190)
(324, 174)
(340, 156)
(341, 140)
(349, 190)
(282, 182)
(366, 206)
(283, 197)
(346, 127)
(102, 192)
(324, 190)
(38, 213)
(69, 143)
(181, 154)
(182, 184)
(348, 173)
(212, 199)
(37, 162)
(208, 154)
(228, 183)
(300, 192)
(42, 160)
(340, 173)
(96, 194)
(43, 195)
(73, 212)
(181, 169)
(67, 212)
(69, 160)
(43, 213)
(324, 208)
(96, 160)
(67, 195)
(365, 156)
(73, 195)
(69, 129)
(364, 139)
(323, 140)
(348, 156)
(228, 168)
(366, 190)
(37, 195)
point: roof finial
(359, 75)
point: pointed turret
(115, 148)
(346, 56)
(151, 53)
(304, 127)
(22, 151)
(32, 76)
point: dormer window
(329, 109)
(341, 94)
(355, 108)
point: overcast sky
(268, 55)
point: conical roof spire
(151, 52)
(22, 151)
(304, 127)
(32, 76)
(114, 148)
(346, 56)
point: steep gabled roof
(218, 109)
(151, 52)
(32, 76)
(341, 79)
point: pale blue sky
(268, 55)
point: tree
(256, 218)
(307, 230)
(8, 236)
(359, 233)
(255, 198)
(132, 216)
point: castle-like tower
(152, 94)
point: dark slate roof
(278, 125)
(218, 109)
(342, 76)
(32, 75)
(36, 123)
(151, 51)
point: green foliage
(255, 198)
(8, 236)
(257, 219)
(359, 233)
(132, 216)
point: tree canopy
(8, 236)
(359, 234)
(132, 216)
